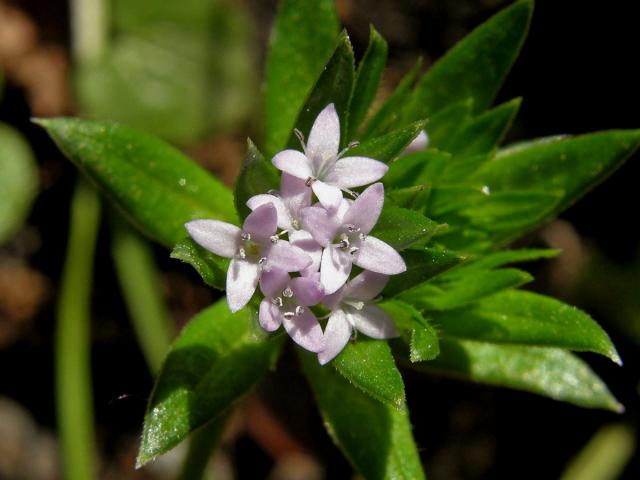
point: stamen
(277, 301)
(287, 293)
(241, 253)
(288, 315)
(309, 181)
(352, 228)
(354, 250)
(295, 223)
(300, 136)
(362, 236)
(344, 243)
(262, 262)
(351, 193)
(348, 147)
(273, 192)
(274, 238)
(299, 310)
(245, 236)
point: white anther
(288, 315)
(354, 250)
(241, 253)
(299, 310)
(274, 238)
(262, 262)
(300, 136)
(362, 236)
(245, 236)
(287, 293)
(277, 301)
(352, 228)
(309, 181)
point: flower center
(350, 238)
(249, 249)
(287, 304)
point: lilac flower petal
(304, 240)
(329, 196)
(349, 172)
(218, 237)
(419, 143)
(336, 335)
(373, 322)
(377, 256)
(332, 301)
(305, 331)
(320, 224)
(295, 194)
(365, 210)
(294, 163)
(307, 290)
(287, 257)
(269, 317)
(242, 280)
(272, 282)
(284, 220)
(262, 222)
(366, 286)
(334, 269)
(324, 137)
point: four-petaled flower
(321, 165)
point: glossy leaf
(257, 176)
(419, 334)
(422, 265)
(488, 52)
(390, 146)
(368, 80)
(446, 123)
(551, 372)
(216, 359)
(571, 166)
(18, 181)
(450, 291)
(301, 42)
(520, 317)
(506, 257)
(368, 365)
(414, 198)
(209, 266)
(157, 187)
(375, 437)
(401, 228)
(424, 167)
(334, 85)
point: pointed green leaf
(157, 187)
(301, 42)
(450, 291)
(209, 266)
(18, 181)
(388, 147)
(257, 176)
(571, 166)
(375, 437)
(368, 365)
(476, 67)
(419, 334)
(506, 257)
(520, 317)
(551, 372)
(216, 359)
(422, 265)
(387, 115)
(401, 228)
(424, 167)
(334, 86)
(443, 125)
(414, 198)
(367, 80)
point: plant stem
(140, 283)
(201, 444)
(89, 29)
(72, 347)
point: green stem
(201, 444)
(72, 350)
(89, 29)
(140, 283)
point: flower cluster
(301, 253)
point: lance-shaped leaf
(256, 176)
(301, 42)
(415, 329)
(414, 198)
(520, 317)
(424, 167)
(375, 437)
(401, 228)
(367, 80)
(488, 52)
(368, 365)
(212, 268)
(333, 86)
(216, 359)
(444, 124)
(156, 187)
(571, 166)
(390, 146)
(551, 372)
(506, 257)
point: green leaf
(476, 67)
(209, 266)
(444, 124)
(390, 146)
(18, 181)
(401, 228)
(368, 365)
(551, 372)
(422, 265)
(387, 115)
(484, 133)
(367, 80)
(216, 359)
(257, 176)
(419, 334)
(450, 291)
(570, 166)
(375, 437)
(424, 167)
(526, 318)
(505, 257)
(157, 187)
(414, 198)
(335, 86)
(301, 42)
